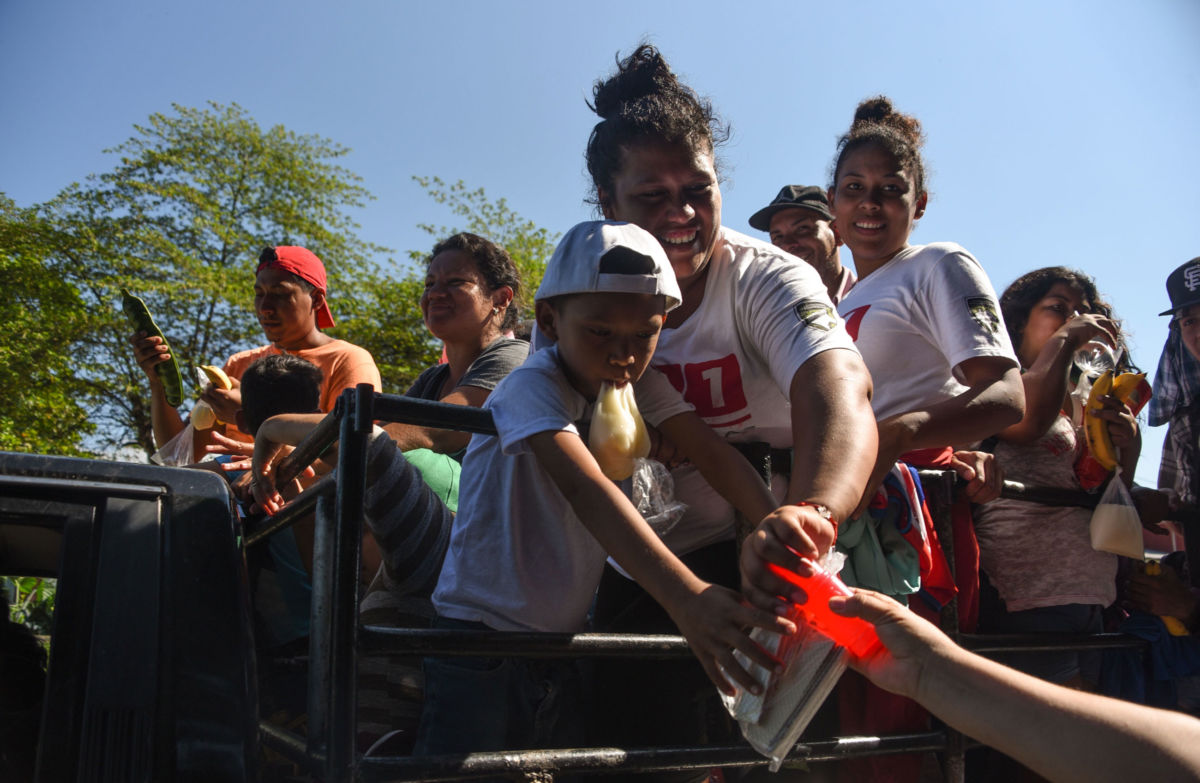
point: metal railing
(336, 637)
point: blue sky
(1058, 132)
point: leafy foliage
(41, 318)
(180, 222)
(34, 602)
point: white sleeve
(528, 402)
(964, 314)
(785, 313)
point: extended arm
(412, 436)
(1045, 381)
(722, 466)
(834, 445)
(709, 616)
(1061, 733)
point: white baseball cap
(609, 257)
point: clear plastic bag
(813, 663)
(178, 451)
(1116, 526)
(653, 493)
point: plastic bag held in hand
(618, 435)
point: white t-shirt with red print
(916, 318)
(763, 315)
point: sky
(1058, 132)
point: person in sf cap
(290, 301)
(800, 223)
(1176, 400)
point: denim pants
(491, 704)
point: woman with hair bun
(755, 347)
(924, 317)
(926, 321)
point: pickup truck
(151, 667)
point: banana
(1174, 625)
(1125, 387)
(1096, 428)
(203, 416)
(217, 376)
(617, 435)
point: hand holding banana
(1127, 393)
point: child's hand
(784, 537)
(223, 444)
(713, 623)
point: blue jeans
(1062, 666)
(491, 704)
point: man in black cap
(1176, 399)
(800, 223)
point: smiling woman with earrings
(470, 303)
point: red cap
(303, 263)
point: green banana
(168, 371)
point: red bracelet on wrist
(823, 512)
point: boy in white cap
(537, 517)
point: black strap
(766, 459)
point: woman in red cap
(289, 300)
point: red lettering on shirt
(853, 319)
(713, 388)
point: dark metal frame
(336, 637)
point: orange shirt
(343, 364)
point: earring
(495, 311)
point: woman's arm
(488, 369)
(994, 399)
(412, 436)
(834, 445)
(1045, 381)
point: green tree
(42, 318)
(180, 221)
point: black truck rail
(328, 750)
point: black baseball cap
(1183, 286)
(804, 196)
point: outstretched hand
(223, 444)
(909, 641)
(714, 623)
